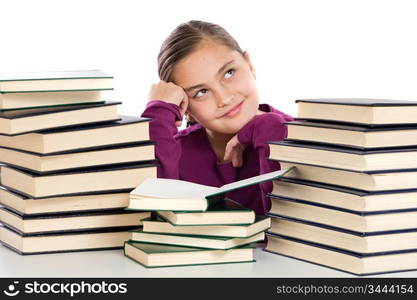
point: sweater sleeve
(256, 133)
(162, 130)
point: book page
(251, 181)
(172, 188)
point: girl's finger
(235, 158)
(227, 152)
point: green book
(79, 80)
(158, 255)
(155, 194)
(202, 241)
(159, 225)
(223, 212)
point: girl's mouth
(234, 111)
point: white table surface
(112, 263)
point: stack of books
(194, 224)
(68, 163)
(351, 201)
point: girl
(206, 76)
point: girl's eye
(229, 73)
(200, 93)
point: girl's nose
(224, 97)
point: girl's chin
(232, 126)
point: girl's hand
(234, 151)
(170, 93)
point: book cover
(339, 148)
(31, 112)
(71, 74)
(221, 212)
(106, 156)
(46, 243)
(175, 189)
(360, 101)
(149, 255)
(124, 120)
(201, 241)
(340, 259)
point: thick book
(48, 163)
(354, 242)
(77, 80)
(361, 180)
(158, 225)
(157, 255)
(26, 100)
(355, 136)
(93, 180)
(364, 202)
(208, 242)
(63, 204)
(127, 130)
(85, 221)
(370, 112)
(343, 157)
(342, 219)
(342, 260)
(178, 195)
(15, 122)
(222, 213)
(99, 239)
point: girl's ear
(247, 58)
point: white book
(178, 195)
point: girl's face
(220, 85)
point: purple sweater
(188, 155)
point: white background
(300, 49)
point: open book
(179, 195)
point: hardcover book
(345, 198)
(100, 239)
(15, 122)
(343, 260)
(208, 242)
(360, 180)
(177, 195)
(83, 137)
(342, 219)
(55, 81)
(222, 213)
(49, 163)
(355, 136)
(63, 204)
(158, 225)
(343, 157)
(24, 100)
(70, 222)
(156, 255)
(371, 112)
(93, 180)
(355, 242)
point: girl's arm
(256, 133)
(162, 130)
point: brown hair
(184, 39)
